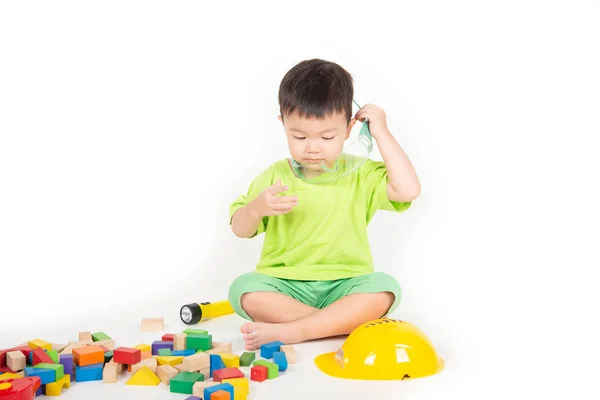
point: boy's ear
(279, 118)
(350, 126)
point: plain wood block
(151, 363)
(85, 336)
(166, 373)
(153, 324)
(290, 353)
(110, 373)
(15, 360)
(179, 341)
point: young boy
(315, 277)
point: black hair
(316, 88)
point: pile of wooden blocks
(189, 363)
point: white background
(127, 128)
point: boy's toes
(252, 344)
(247, 327)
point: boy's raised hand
(268, 203)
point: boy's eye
(328, 138)
(299, 138)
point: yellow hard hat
(383, 349)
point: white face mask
(355, 153)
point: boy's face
(313, 141)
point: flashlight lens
(186, 314)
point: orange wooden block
(88, 355)
(220, 395)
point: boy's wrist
(253, 211)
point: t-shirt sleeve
(260, 183)
(375, 179)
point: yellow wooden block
(10, 375)
(34, 344)
(230, 360)
(144, 377)
(54, 388)
(146, 350)
(241, 387)
(171, 360)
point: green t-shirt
(325, 236)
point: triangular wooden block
(171, 360)
(144, 377)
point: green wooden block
(198, 342)
(98, 336)
(183, 382)
(191, 331)
(58, 369)
(53, 355)
(165, 352)
(246, 359)
(272, 368)
(108, 355)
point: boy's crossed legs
(341, 306)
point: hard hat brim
(327, 364)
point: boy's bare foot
(258, 333)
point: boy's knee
(251, 301)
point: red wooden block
(23, 349)
(127, 355)
(169, 337)
(21, 389)
(40, 356)
(259, 373)
(227, 373)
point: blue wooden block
(89, 373)
(280, 359)
(185, 353)
(267, 350)
(216, 363)
(228, 387)
(46, 375)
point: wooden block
(272, 368)
(127, 355)
(220, 395)
(54, 388)
(247, 359)
(290, 353)
(205, 372)
(280, 360)
(100, 336)
(108, 343)
(166, 373)
(259, 373)
(40, 356)
(198, 389)
(85, 336)
(179, 341)
(34, 344)
(153, 324)
(88, 355)
(144, 377)
(230, 360)
(183, 382)
(151, 363)
(146, 350)
(172, 360)
(267, 349)
(196, 362)
(241, 387)
(110, 374)
(15, 360)
(227, 373)
(219, 350)
(58, 347)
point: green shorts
(318, 294)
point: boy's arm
(403, 184)
(245, 222)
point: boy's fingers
(286, 199)
(283, 206)
(278, 189)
